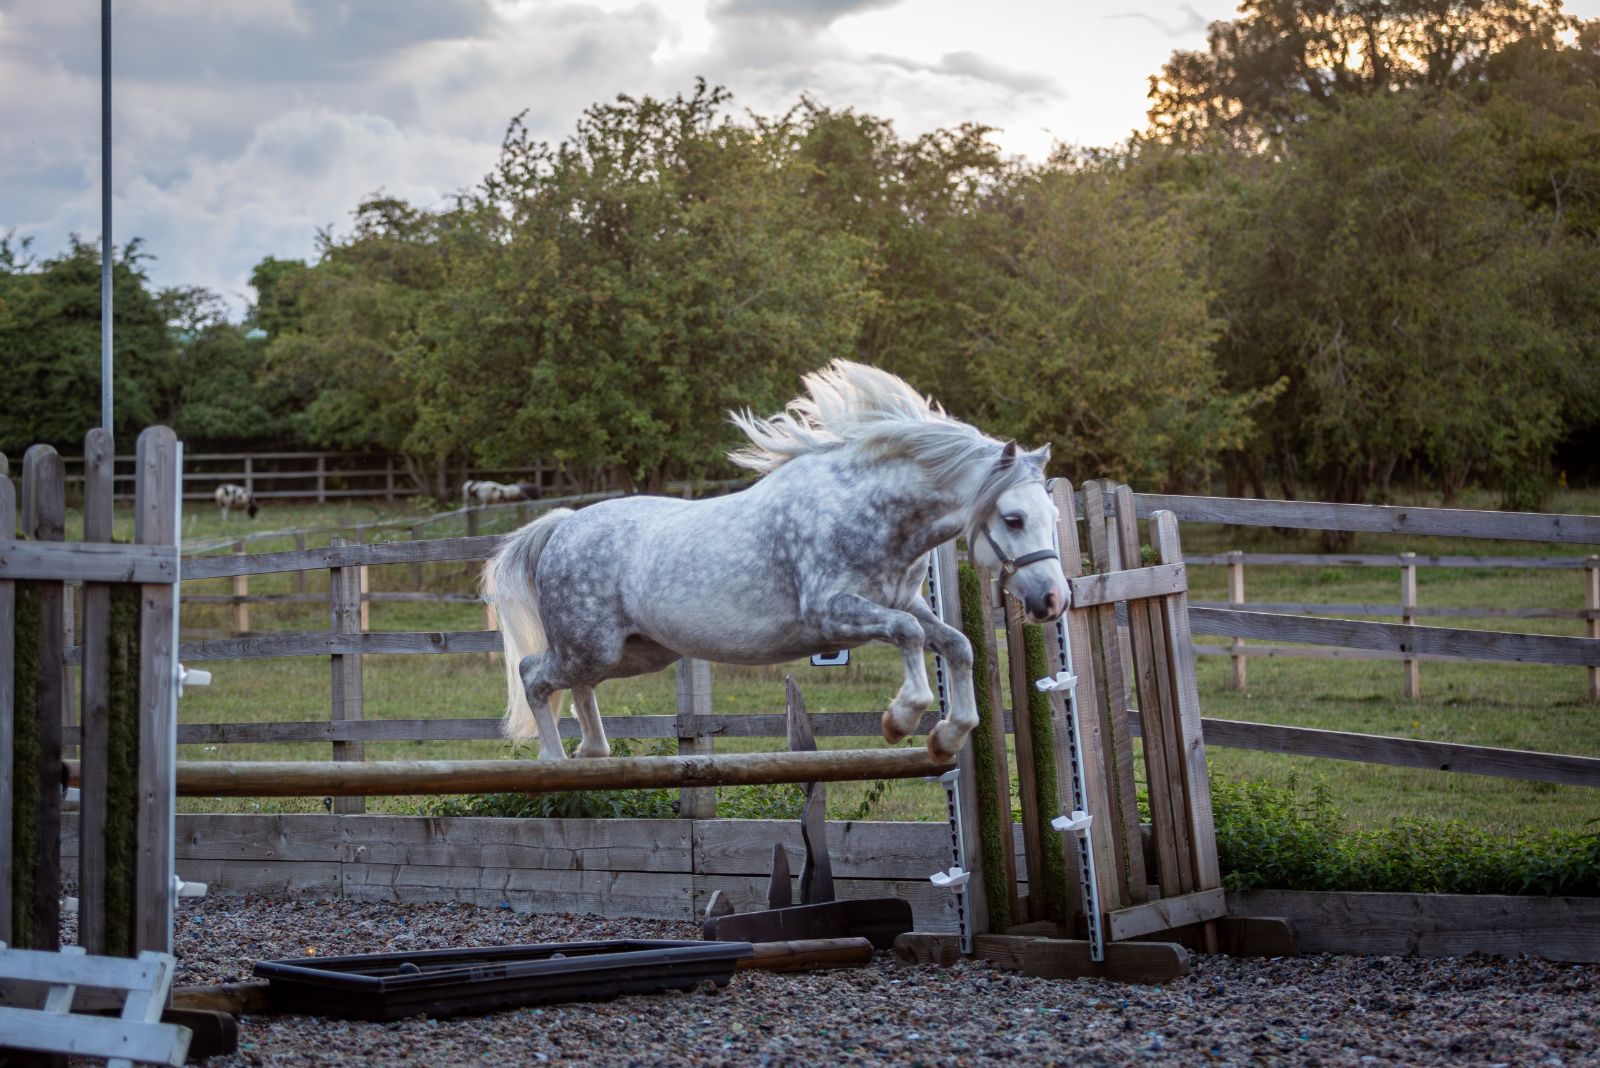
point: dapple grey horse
(863, 477)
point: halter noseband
(1010, 567)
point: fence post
(158, 494)
(388, 478)
(241, 590)
(44, 519)
(95, 715)
(416, 565)
(1591, 601)
(8, 622)
(694, 700)
(1236, 601)
(472, 522)
(344, 596)
(364, 582)
(1408, 616)
(249, 474)
(322, 478)
(300, 576)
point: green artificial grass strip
(1051, 883)
(26, 772)
(994, 811)
(122, 770)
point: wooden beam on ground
(1127, 962)
(321, 778)
(807, 955)
(1167, 913)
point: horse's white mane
(847, 403)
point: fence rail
(330, 476)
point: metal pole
(105, 214)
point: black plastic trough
(450, 982)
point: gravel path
(1316, 1010)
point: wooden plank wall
(664, 869)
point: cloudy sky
(243, 127)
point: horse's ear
(1041, 455)
(1008, 455)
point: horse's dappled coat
(862, 478)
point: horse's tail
(508, 584)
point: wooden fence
(345, 644)
(1236, 618)
(331, 476)
(1406, 606)
(125, 708)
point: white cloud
(242, 128)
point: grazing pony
(231, 495)
(863, 478)
(477, 491)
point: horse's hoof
(891, 733)
(589, 752)
(941, 746)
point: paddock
(289, 885)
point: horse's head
(1018, 536)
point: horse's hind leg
(587, 709)
(544, 698)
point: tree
(937, 213)
(50, 345)
(1102, 337)
(1266, 72)
(338, 329)
(1385, 272)
(206, 388)
(609, 298)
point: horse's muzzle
(1045, 607)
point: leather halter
(1010, 567)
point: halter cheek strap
(1010, 567)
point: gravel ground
(1314, 1010)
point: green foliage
(1379, 269)
(1101, 338)
(770, 801)
(610, 297)
(1051, 884)
(339, 329)
(777, 801)
(1277, 835)
(1270, 70)
(994, 826)
(50, 345)
(575, 804)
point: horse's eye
(1014, 522)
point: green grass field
(1516, 706)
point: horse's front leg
(950, 733)
(850, 619)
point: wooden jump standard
(349, 779)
